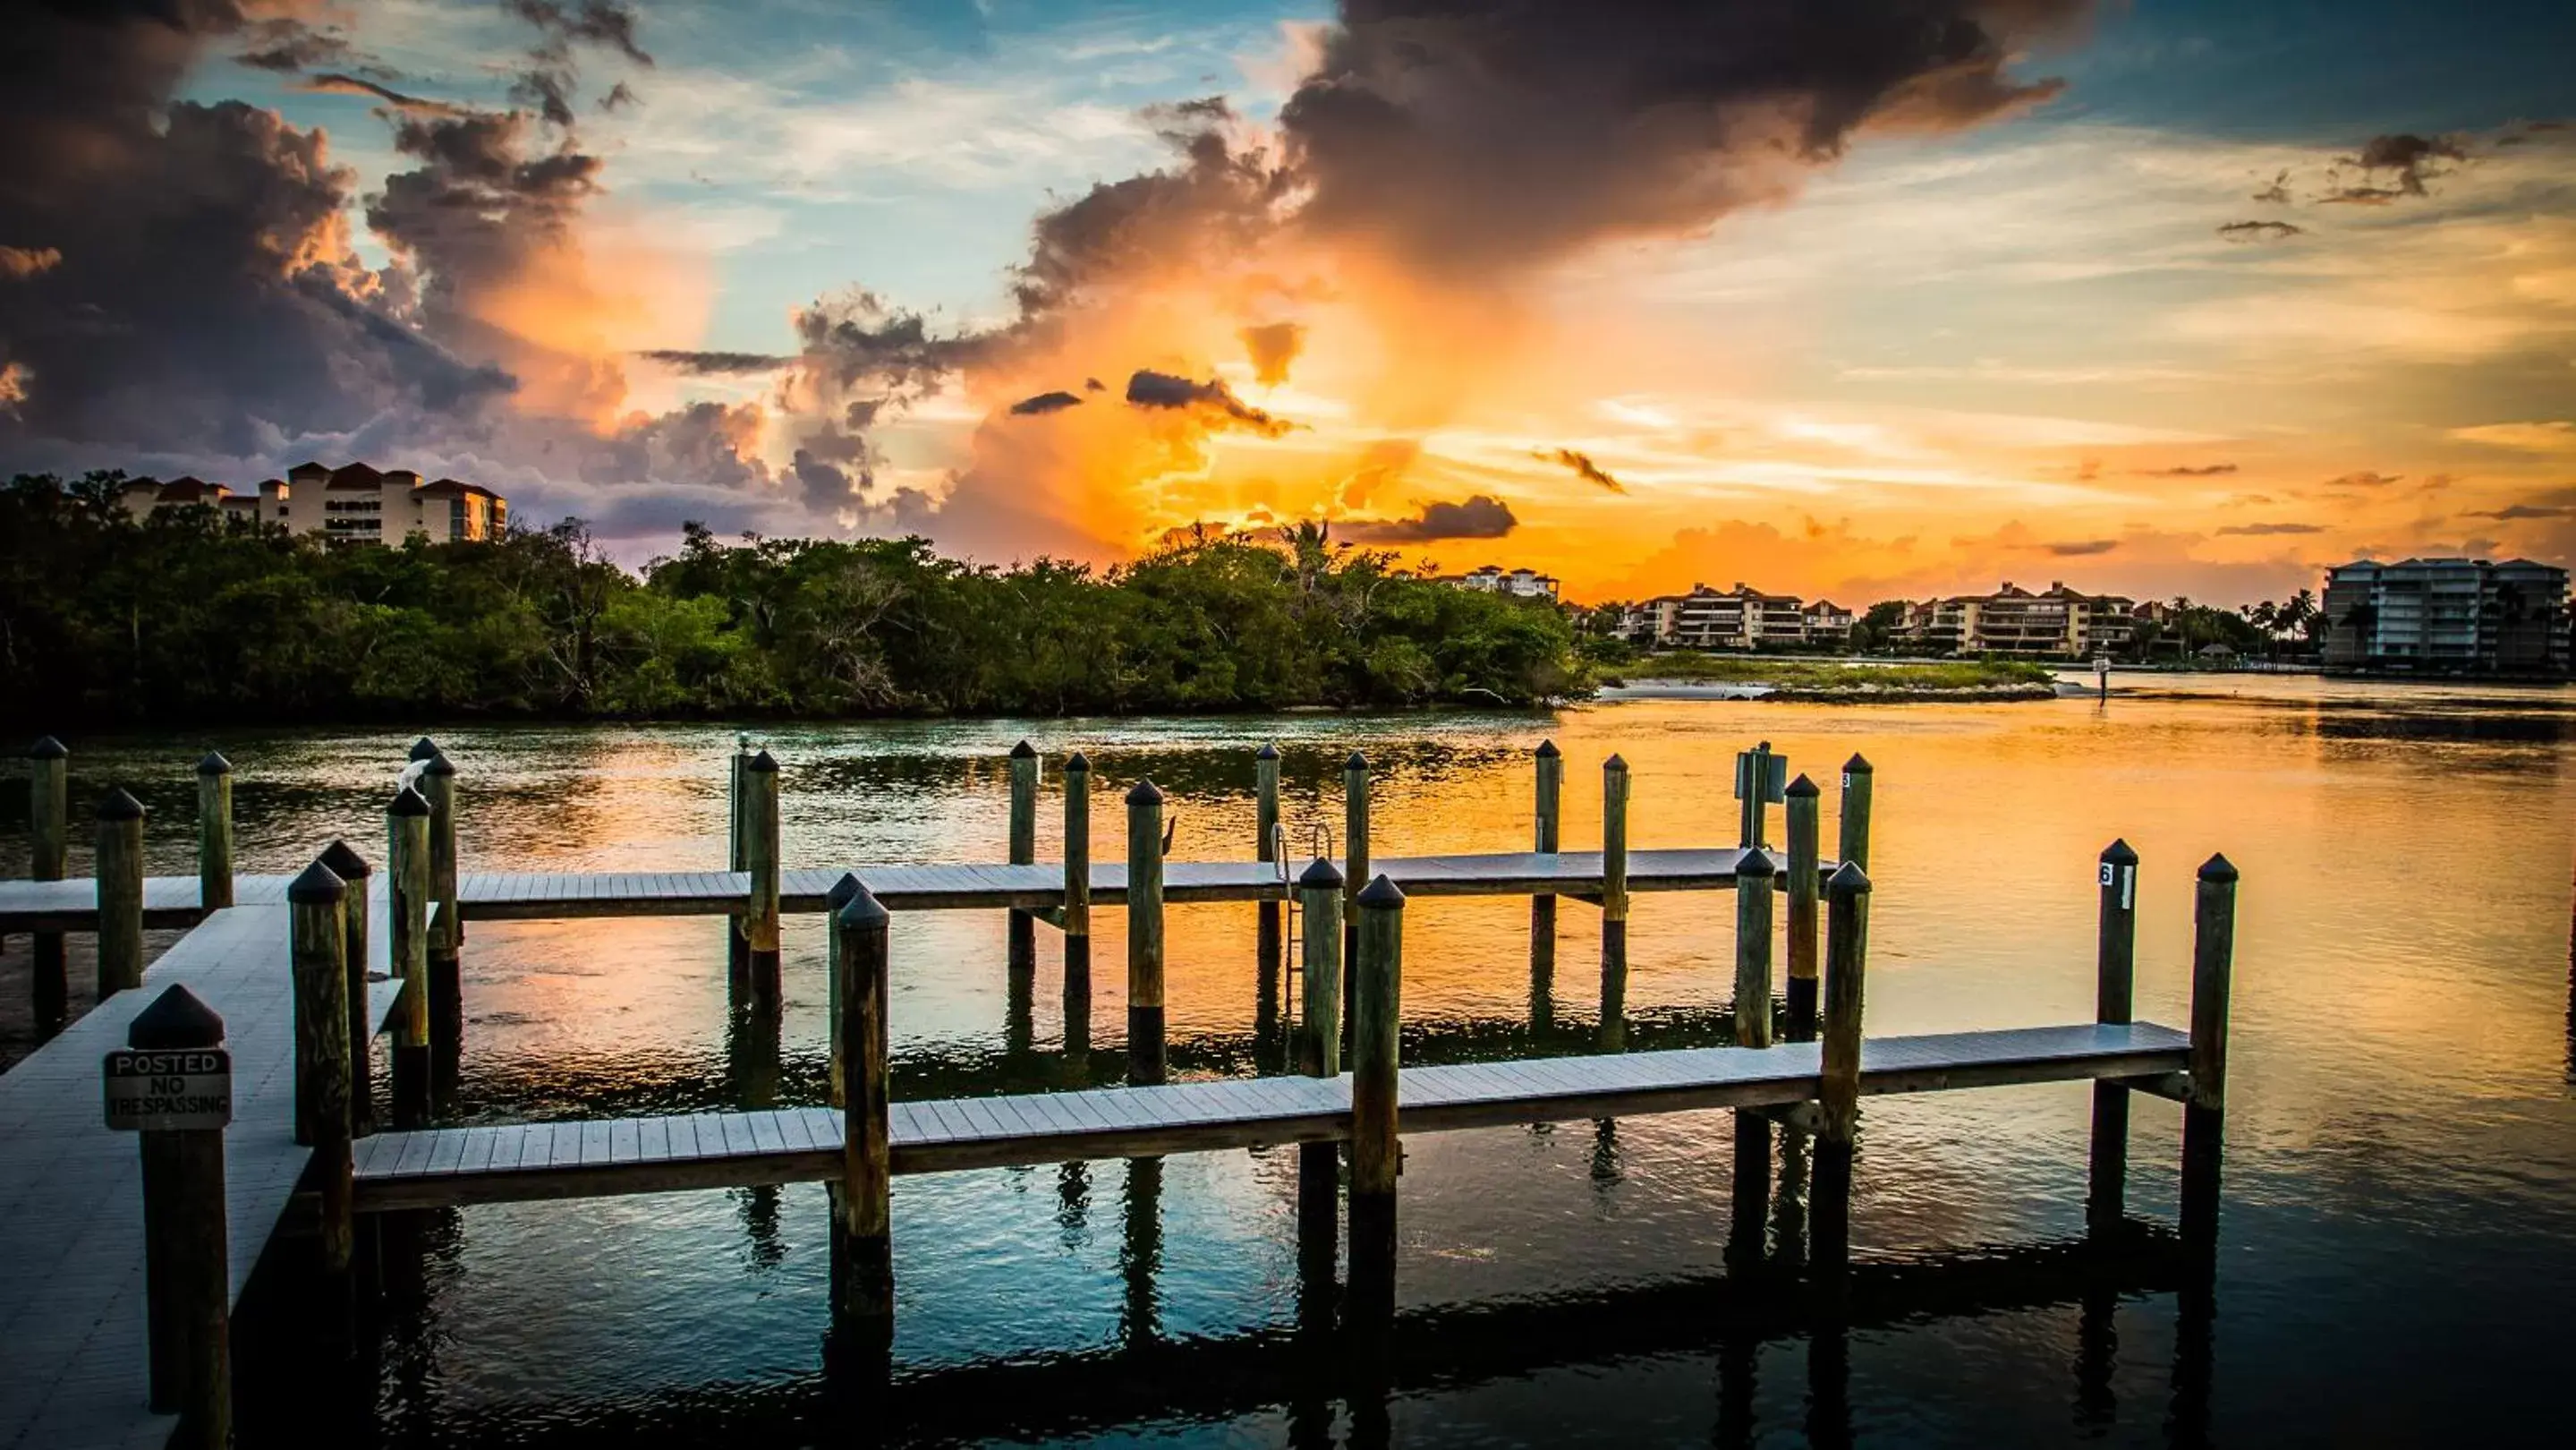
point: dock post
(120, 893)
(446, 933)
(1858, 779)
(866, 1300)
(1806, 885)
(49, 816)
(1077, 912)
(2115, 967)
(2213, 955)
(833, 900)
(407, 919)
(1377, 1154)
(1753, 785)
(1145, 1056)
(187, 1281)
(1265, 849)
(1754, 874)
(760, 859)
(317, 903)
(1548, 768)
(353, 871)
(737, 828)
(1319, 1054)
(1846, 962)
(1022, 949)
(214, 832)
(1355, 862)
(1614, 904)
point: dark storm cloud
(1211, 400)
(701, 443)
(1501, 134)
(1055, 402)
(716, 364)
(1585, 468)
(825, 486)
(485, 205)
(1480, 516)
(604, 23)
(1215, 204)
(2266, 530)
(1272, 348)
(2190, 470)
(2260, 231)
(2082, 548)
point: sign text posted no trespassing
(173, 1091)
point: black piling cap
(1146, 793)
(214, 764)
(1762, 745)
(2119, 854)
(46, 748)
(2218, 869)
(345, 862)
(1357, 761)
(423, 748)
(841, 892)
(1024, 751)
(764, 761)
(1320, 875)
(438, 764)
(1267, 751)
(1857, 765)
(1078, 761)
(1801, 788)
(408, 802)
(116, 805)
(862, 910)
(1381, 894)
(319, 885)
(1614, 763)
(1849, 880)
(1755, 863)
(175, 1020)
(1547, 750)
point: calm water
(2398, 1247)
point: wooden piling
(867, 1273)
(1548, 771)
(187, 1281)
(761, 861)
(1145, 1048)
(1806, 883)
(1858, 779)
(2115, 975)
(1614, 904)
(737, 827)
(317, 905)
(214, 831)
(1752, 1186)
(1021, 951)
(1319, 1054)
(120, 893)
(2204, 1118)
(1846, 963)
(1077, 910)
(1265, 849)
(1355, 860)
(48, 837)
(833, 900)
(407, 921)
(1377, 1154)
(446, 929)
(353, 871)
(1753, 789)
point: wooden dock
(596, 1158)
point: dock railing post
(1265, 849)
(2213, 955)
(353, 871)
(866, 1300)
(120, 893)
(407, 948)
(317, 903)
(1754, 875)
(1145, 1056)
(48, 836)
(761, 861)
(1377, 1154)
(1614, 904)
(1806, 886)
(214, 832)
(1858, 780)
(1548, 770)
(187, 1282)
(1077, 911)
(1022, 947)
(1846, 962)
(2115, 977)
(1355, 861)
(1319, 1054)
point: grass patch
(1830, 675)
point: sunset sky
(1862, 298)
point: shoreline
(1827, 695)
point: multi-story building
(1494, 579)
(2015, 621)
(352, 504)
(2447, 617)
(1739, 618)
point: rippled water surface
(2398, 1245)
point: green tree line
(184, 615)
